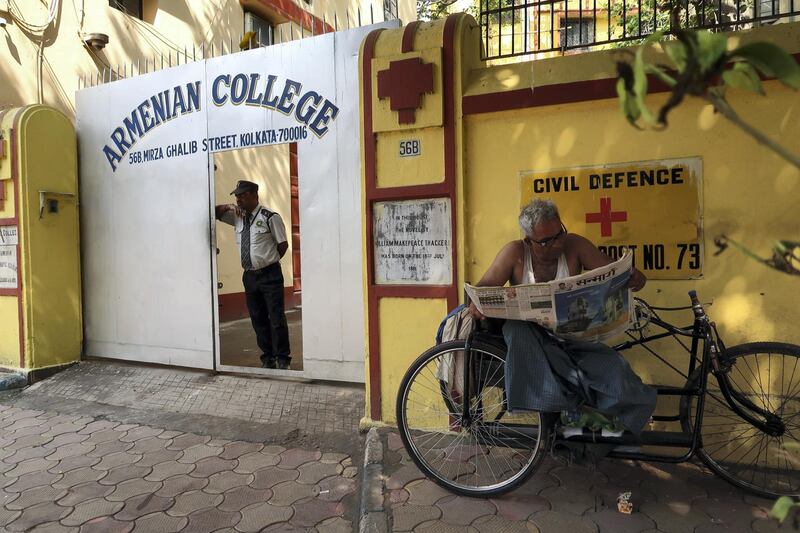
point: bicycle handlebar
(696, 306)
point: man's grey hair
(537, 212)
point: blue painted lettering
(269, 101)
(193, 93)
(147, 120)
(238, 89)
(327, 113)
(290, 90)
(304, 114)
(178, 101)
(215, 96)
(252, 99)
(112, 157)
(158, 108)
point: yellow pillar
(40, 290)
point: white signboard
(8, 267)
(8, 235)
(413, 242)
(148, 232)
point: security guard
(261, 237)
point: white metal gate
(147, 199)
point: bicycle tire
(492, 456)
(732, 447)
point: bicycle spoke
(793, 395)
(747, 381)
(485, 450)
(727, 442)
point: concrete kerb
(372, 516)
(12, 380)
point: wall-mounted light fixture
(97, 41)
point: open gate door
(144, 182)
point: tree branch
(722, 106)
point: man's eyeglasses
(549, 241)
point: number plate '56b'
(410, 148)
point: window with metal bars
(131, 7)
(389, 9)
(262, 29)
(520, 27)
(575, 32)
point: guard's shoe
(283, 365)
(269, 364)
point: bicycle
(453, 421)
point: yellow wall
(9, 308)
(269, 167)
(9, 332)
(51, 256)
(49, 273)
(405, 334)
(748, 194)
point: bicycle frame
(705, 341)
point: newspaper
(592, 306)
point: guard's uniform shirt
(266, 232)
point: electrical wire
(28, 26)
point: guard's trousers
(264, 292)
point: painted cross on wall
(651, 207)
(404, 83)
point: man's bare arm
(500, 271)
(502, 268)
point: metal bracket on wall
(44, 194)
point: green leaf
(772, 61)
(710, 48)
(659, 73)
(627, 104)
(781, 507)
(676, 51)
(653, 38)
(743, 76)
(640, 85)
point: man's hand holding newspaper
(594, 305)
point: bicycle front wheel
(768, 375)
(484, 451)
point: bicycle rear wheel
(488, 452)
(768, 375)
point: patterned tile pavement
(76, 473)
(314, 407)
(573, 499)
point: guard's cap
(245, 186)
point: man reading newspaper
(547, 373)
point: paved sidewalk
(313, 407)
(558, 499)
(113, 447)
(78, 473)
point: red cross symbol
(606, 216)
(404, 83)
